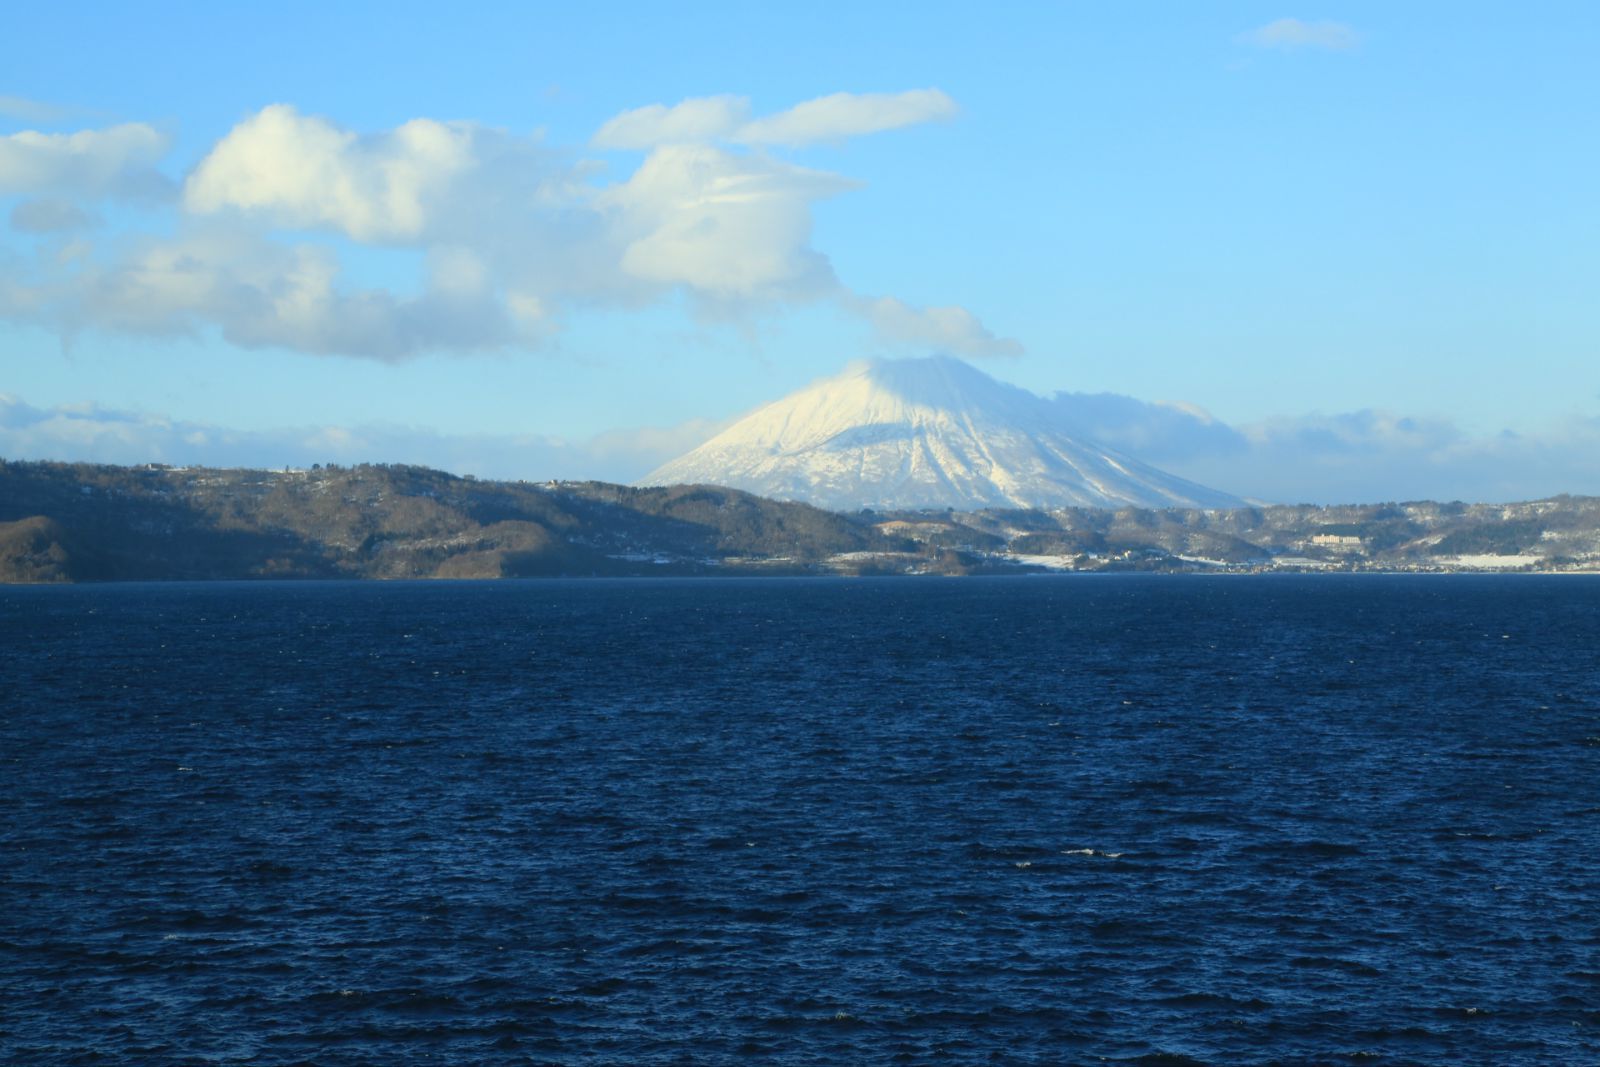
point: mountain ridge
(63, 522)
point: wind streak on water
(1017, 820)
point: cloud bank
(1354, 457)
(94, 434)
(514, 232)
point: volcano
(919, 434)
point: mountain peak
(923, 433)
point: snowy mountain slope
(923, 433)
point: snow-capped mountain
(924, 433)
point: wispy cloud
(727, 118)
(25, 110)
(949, 330)
(1289, 34)
(699, 120)
(841, 115)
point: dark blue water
(1054, 820)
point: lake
(1149, 819)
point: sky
(1348, 252)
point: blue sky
(514, 239)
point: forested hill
(63, 522)
(84, 522)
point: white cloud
(258, 293)
(1294, 33)
(115, 160)
(513, 232)
(303, 171)
(694, 121)
(729, 226)
(726, 225)
(841, 115)
(701, 120)
(949, 330)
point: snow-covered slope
(923, 433)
